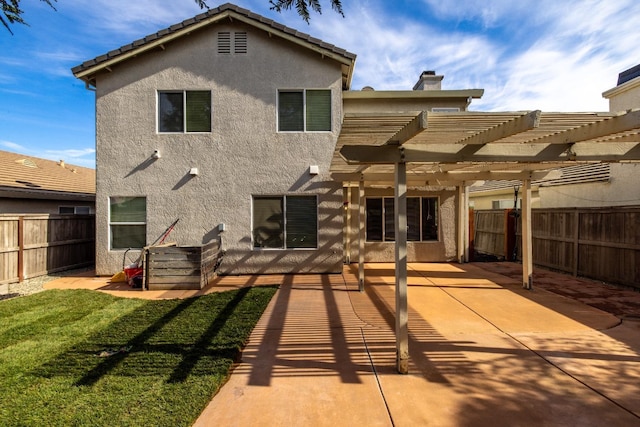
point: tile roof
(26, 173)
(203, 19)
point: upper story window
(184, 111)
(304, 110)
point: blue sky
(552, 55)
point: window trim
(420, 216)
(304, 110)
(110, 223)
(284, 223)
(184, 112)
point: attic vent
(27, 162)
(228, 45)
(224, 42)
(240, 42)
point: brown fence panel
(34, 245)
(9, 249)
(490, 232)
(553, 240)
(598, 243)
(609, 243)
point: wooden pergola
(457, 149)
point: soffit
(469, 146)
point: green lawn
(75, 358)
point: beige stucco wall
(485, 199)
(625, 96)
(244, 155)
(623, 189)
(13, 205)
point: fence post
(20, 249)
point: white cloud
(130, 20)
(79, 157)
(13, 146)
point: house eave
(625, 87)
(412, 94)
(23, 193)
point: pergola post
(347, 229)
(527, 247)
(466, 223)
(402, 317)
(463, 215)
(361, 236)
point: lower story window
(127, 222)
(285, 222)
(422, 219)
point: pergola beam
(526, 122)
(626, 122)
(411, 129)
(451, 177)
(497, 152)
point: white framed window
(422, 219)
(184, 111)
(304, 110)
(285, 222)
(127, 222)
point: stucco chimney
(429, 81)
(61, 163)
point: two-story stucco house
(229, 122)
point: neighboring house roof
(629, 74)
(579, 174)
(31, 177)
(88, 69)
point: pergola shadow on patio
(425, 149)
(483, 351)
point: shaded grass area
(74, 357)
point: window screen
(127, 222)
(318, 110)
(302, 222)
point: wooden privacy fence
(190, 267)
(34, 245)
(598, 243)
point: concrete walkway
(483, 351)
